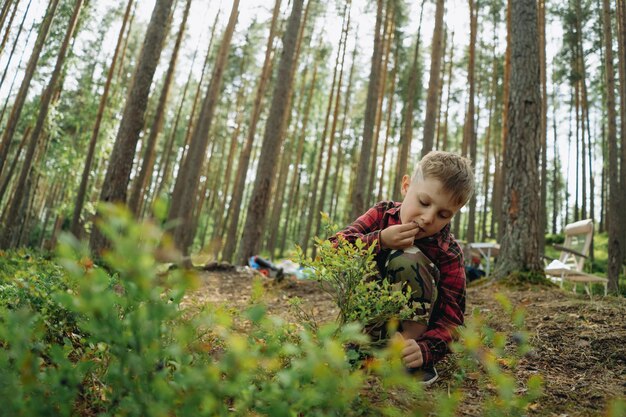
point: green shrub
(26, 282)
(346, 272)
(138, 353)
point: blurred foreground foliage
(113, 339)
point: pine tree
(121, 160)
(272, 139)
(520, 251)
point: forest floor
(579, 344)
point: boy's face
(428, 204)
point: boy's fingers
(409, 234)
(408, 226)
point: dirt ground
(579, 344)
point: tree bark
(118, 173)
(147, 166)
(519, 245)
(621, 13)
(543, 212)
(615, 191)
(272, 139)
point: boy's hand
(412, 354)
(399, 236)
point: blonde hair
(454, 171)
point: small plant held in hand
(348, 272)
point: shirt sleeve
(450, 308)
(367, 227)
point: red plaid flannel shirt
(445, 253)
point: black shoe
(426, 375)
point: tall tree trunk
(493, 93)
(314, 216)
(339, 167)
(167, 154)
(240, 111)
(286, 159)
(407, 129)
(580, 66)
(124, 50)
(272, 222)
(244, 159)
(557, 165)
(333, 130)
(18, 104)
(543, 212)
(11, 226)
(578, 153)
(469, 131)
(121, 160)
(272, 139)
(433, 87)
(442, 73)
(82, 189)
(519, 249)
(9, 174)
(444, 140)
(498, 206)
(386, 41)
(196, 99)
(621, 13)
(147, 166)
(359, 197)
(297, 172)
(616, 193)
(185, 189)
(389, 124)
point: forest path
(579, 344)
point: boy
(414, 245)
